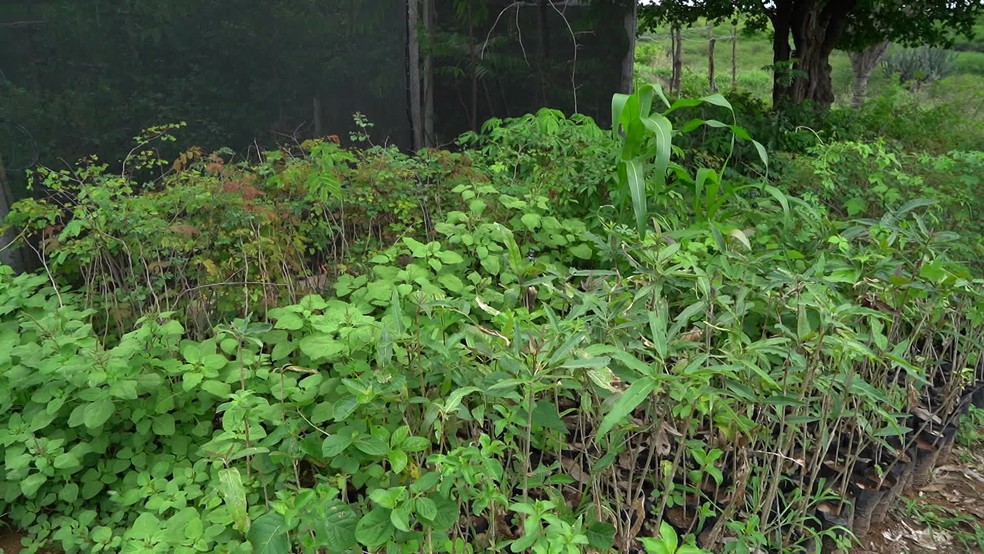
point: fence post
(710, 59)
(677, 59)
(734, 57)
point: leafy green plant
(668, 543)
(971, 428)
(646, 137)
(500, 371)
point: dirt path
(945, 517)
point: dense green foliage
(351, 349)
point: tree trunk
(781, 52)
(804, 75)
(413, 76)
(863, 63)
(428, 92)
(8, 254)
(628, 62)
(677, 60)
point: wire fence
(18, 149)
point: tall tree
(806, 32)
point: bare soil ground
(944, 517)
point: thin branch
(47, 270)
(574, 61)
(517, 4)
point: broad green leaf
(545, 415)
(454, 399)
(163, 425)
(630, 399)
(336, 528)
(98, 413)
(417, 248)
(372, 446)
(425, 482)
(912, 205)
(669, 536)
(291, 321)
(662, 130)
(637, 188)
(450, 257)
(336, 444)
(29, 485)
(191, 380)
(740, 236)
(400, 517)
(66, 460)
(190, 352)
(451, 282)
(398, 460)
(618, 106)
(268, 534)
(375, 528)
(69, 493)
(531, 220)
(321, 346)
(658, 320)
(234, 495)
(601, 535)
(415, 444)
(425, 508)
(145, 526)
(683, 318)
(763, 155)
(582, 251)
(217, 388)
(525, 542)
(780, 197)
(564, 352)
(447, 513)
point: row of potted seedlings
(870, 486)
(861, 477)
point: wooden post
(712, 86)
(677, 60)
(734, 57)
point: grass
(964, 529)
(971, 433)
(754, 55)
(969, 63)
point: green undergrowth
(560, 340)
